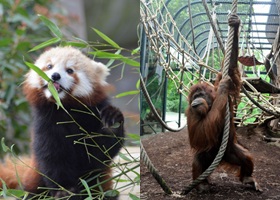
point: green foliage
(20, 29)
(155, 88)
(173, 99)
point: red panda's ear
(101, 70)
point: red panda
(68, 146)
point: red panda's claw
(112, 117)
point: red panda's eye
(70, 71)
(50, 66)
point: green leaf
(102, 54)
(138, 84)
(4, 189)
(124, 157)
(133, 136)
(112, 193)
(81, 40)
(76, 44)
(137, 179)
(16, 193)
(87, 188)
(132, 92)
(107, 39)
(12, 150)
(123, 180)
(55, 94)
(130, 62)
(4, 146)
(46, 43)
(111, 61)
(52, 26)
(133, 197)
(38, 71)
(135, 51)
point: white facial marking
(70, 63)
(33, 79)
(84, 87)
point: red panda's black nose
(56, 76)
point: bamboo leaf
(124, 157)
(55, 94)
(45, 44)
(138, 84)
(130, 62)
(107, 55)
(38, 71)
(110, 62)
(52, 26)
(123, 181)
(112, 193)
(16, 193)
(4, 189)
(81, 40)
(132, 92)
(133, 136)
(103, 54)
(76, 44)
(133, 197)
(4, 146)
(87, 188)
(107, 39)
(135, 51)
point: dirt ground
(171, 155)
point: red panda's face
(71, 72)
(67, 78)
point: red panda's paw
(112, 117)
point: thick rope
(153, 109)
(145, 159)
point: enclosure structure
(183, 42)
